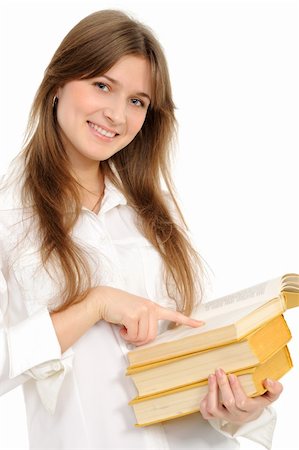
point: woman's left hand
(227, 400)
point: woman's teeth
(101, 130)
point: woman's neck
(91, 186)
(90, 177)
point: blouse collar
(11, 185)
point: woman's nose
(116, 113)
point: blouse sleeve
(30, 349)
(259, 430)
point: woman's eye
(102, 86)
(137, 102)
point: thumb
(274, 389)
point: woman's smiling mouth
(102, 131)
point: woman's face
(100, 116)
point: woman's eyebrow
(140, 94)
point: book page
(254, 295)
(290, 282)
(224, 311)
(215, 321)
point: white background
(234, 69)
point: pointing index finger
(179, 318)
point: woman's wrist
(71, 323)
(97, 301)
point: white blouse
(79, 399)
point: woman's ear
(56, 97)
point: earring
(55, 101)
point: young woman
(94, 254)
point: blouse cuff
(50, 377)
(29, 349)
(37, 353)
(259, 430)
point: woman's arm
(137, 316)
(32, 347)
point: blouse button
(57, 366)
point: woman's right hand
(138, 316)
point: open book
(186, 400)
(227, 320)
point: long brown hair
(91, 48)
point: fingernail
(199, 322)
(211, 379)
(232, 377)
(220, 372)
(269, 382)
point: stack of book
(245, 333)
